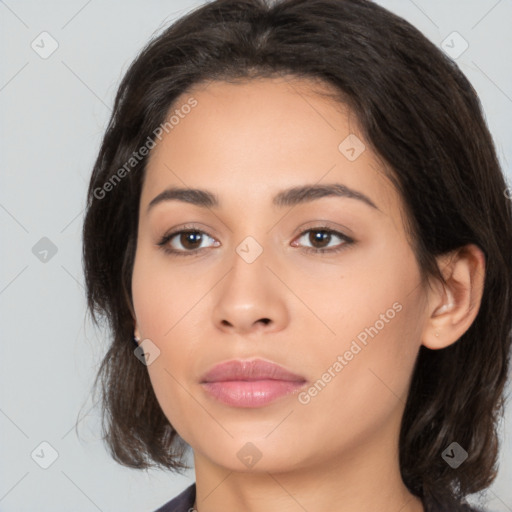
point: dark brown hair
(422, 117)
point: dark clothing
(184, 502)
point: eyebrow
(289, 197)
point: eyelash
(163, 244)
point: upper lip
(255, 369)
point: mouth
(250, 384)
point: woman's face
(248, 284)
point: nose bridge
(250, 250)
(248, 274)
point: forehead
(263, 134)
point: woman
(298, 215)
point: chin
(245, 454)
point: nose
(250, 299)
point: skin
(246, 142)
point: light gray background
(54, 112)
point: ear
(454, 306)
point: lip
(250, 383)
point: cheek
(375, 295)
(161, 296)
(162, 305)
(360, 388)
(378, 333)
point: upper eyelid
(312, 225)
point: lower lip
(256, 393)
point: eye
(185, 242)
(320, 238)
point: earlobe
(457, 301)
